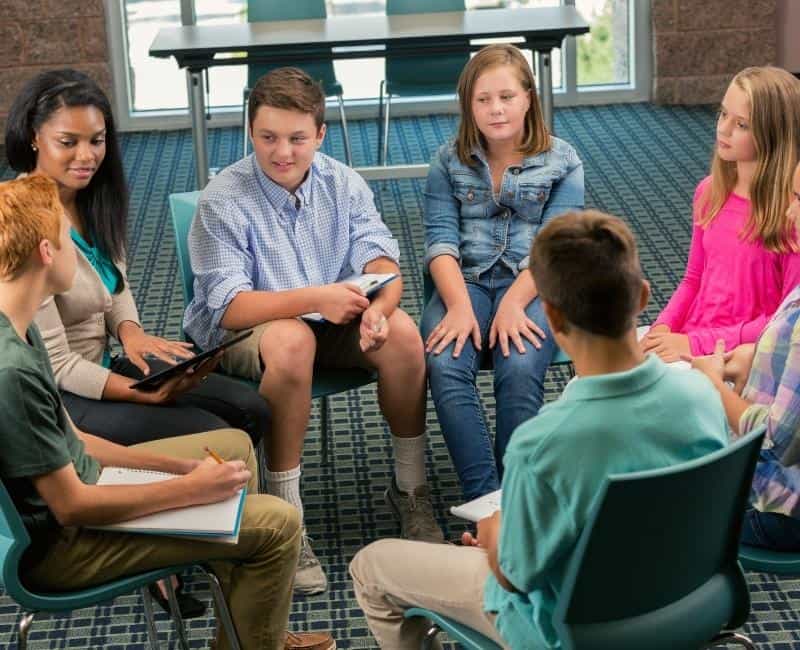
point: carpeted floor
(642, 163)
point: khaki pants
(392, 575)
(256, 574)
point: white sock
(409, 462)
(286, 485)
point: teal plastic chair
(780, 563)
(322, 71)
(656, 565)
(326, 381)
(410, 76)
(14, 540)
(560, 358)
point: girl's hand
(670, 347)
(511, 322)
(137, 344)
(458, 324)
(648, 341)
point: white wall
(788, 17)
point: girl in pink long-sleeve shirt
(743, 258)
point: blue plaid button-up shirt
(251, 234)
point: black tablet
(152, 382)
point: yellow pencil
(214, 455)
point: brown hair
(535, 139)
(30, 211)
(774, 98)
(290, 89)
(586, 265)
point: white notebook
(369, 283)
(479, 508)
(213, 522)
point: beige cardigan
(75, 327)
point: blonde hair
(536, 138)
(30, 211)
(774, 97)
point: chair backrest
(654, 540)
(396, 7)
(182, 208)
(269, 10)
(14, 539)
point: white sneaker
(309, 578)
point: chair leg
(430, 637)
(348, 155)
(725, 638)
(25, 623)
(386, 130)
(150, 624)
(245, 120)
(223, 613)
(380, 119)
(323, 428)
(176, 614)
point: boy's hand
(668, 346)
(738, 363)
(137, 344)
(511, 322)
(175, 386)
(212, 481)
(458, 323)
(489, 531)
(341, 302)
(712, 365)
(374, 329)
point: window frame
(638, 89)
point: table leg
(197, 109)
(544, 73)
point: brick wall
(699, 45)
(37, 35)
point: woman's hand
(512, 323)
(712, 365)
(173, 387)
(137, 344)
(458, 324)
(738, 363)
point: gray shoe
(309, 578)
(415, 512)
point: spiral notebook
(212, 522)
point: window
(611, 63)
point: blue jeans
(771, 530)
(518, 384)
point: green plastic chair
(780, 563)
(656, 565)
(322, 71)
(14, 540)
(560, 358)
(326, 382)
(412, 76)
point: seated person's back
(623, 413)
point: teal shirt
(105, 268)
(649, 417)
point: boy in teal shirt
(624, 413)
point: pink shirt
(731, 287)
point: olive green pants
(256, 573)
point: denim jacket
(464, 219)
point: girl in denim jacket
(487, 195)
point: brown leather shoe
(309, 641)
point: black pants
(216, 403)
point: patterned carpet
(642, 162)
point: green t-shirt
(35, 435)
(649, 417)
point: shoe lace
(307, 557)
